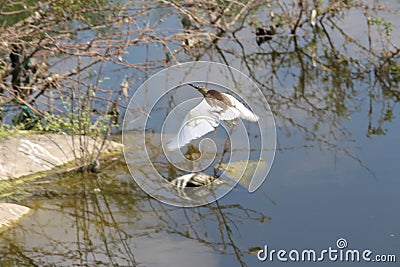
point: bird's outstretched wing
(237, 110)
(201, 120)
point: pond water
(335, 174)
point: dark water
(335, 174)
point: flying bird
(206, 116)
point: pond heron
(206, 116)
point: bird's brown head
(201, 89)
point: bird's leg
(231, 123)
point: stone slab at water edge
(10, 213)
(29, 154)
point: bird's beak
(194, 86)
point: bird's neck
(202, 90)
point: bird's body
(206, 116)
(214, 94)
(228, 107)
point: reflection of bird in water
(185, 183)
(206, 116)
(194, 180)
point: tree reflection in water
(99, 219)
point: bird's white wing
(229, 114)
(201, 120)
(239, 110)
